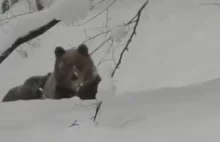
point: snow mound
(107, 87)
(169, 114)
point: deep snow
(167, 88)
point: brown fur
(29, 90)
(73, 69)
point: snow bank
(169, 114)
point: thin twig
(98, 3)
(97, 111)
(93, 37)
(97, 28)
(108, 51)
(97, 14)
(29, 36)
(101, 33)
(74, 124)
(126, 122)
(107, 21)
(137, 16)
(15, 16)
(101, 45)
(49, 4)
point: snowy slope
(176, 46)
(170, 114)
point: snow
(68, 11)
(166, 89)
(119, 32)
(74, 10)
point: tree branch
(135, 20)
(98, 3)
(103, 43)
(97, 111)
(74, 124)
(31, 35)
(95, 36)
(108, 51)
(97, 15)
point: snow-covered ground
(167, 88)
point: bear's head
(74, 70)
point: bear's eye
(74, 77)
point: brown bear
(31, 89)
(74, 75)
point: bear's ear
(83, 49)
(59, 51)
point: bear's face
(74, 68)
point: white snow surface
(166, 89)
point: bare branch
(15, 16)
(126, 122)
(136, 19)
(31, 35)
(93, 37)
(97, 28)
(103, 58)
(74, 124)
(103, 43)
(49, 4)
(105, 33)
(98, 13)
(98, 3)
(97, 111)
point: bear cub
(32, 88)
